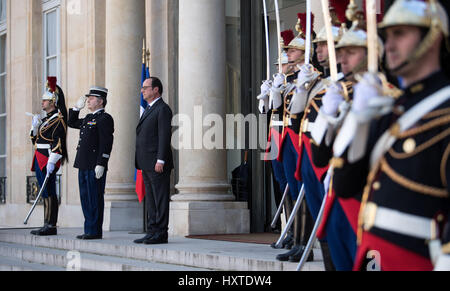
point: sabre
(277, 14)
(372, 36)
(308, 33)
(280, 208)
(313, 237)
(330, 41)
(266, 24)
(291, 218)
(37, 199)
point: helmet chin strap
(427, 43)
(361, 67)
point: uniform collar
(422, 89)
(56, 111)
(98, 111)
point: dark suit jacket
(153, 138)
(96, 139)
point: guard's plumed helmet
(428, 14)
(337, 11)
(299, 42)
(51, 92)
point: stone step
(13, 264)
(180, 252)
(64, 260)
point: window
(3, 111)
(51, 30)
(2, 11)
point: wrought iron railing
(2, 190)
(33, 189)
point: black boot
(288, 242)
(47, 230)
(329, 266)
(304, 226)
(298, 256)
(50, 217)
(285, 257)
(297, 239)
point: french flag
(140, 187)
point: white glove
(50, 168)
(264, 96)
(278, 80)
(36, 122)
(306, 75)
(265, 89)
(332, 100)
(299, 100)
(366, 89)
(99, 171)
(275, 100)
(81, 103)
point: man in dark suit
(93, 153)
(154, 158)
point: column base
(202, 218)
(123, 216)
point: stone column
(125, 30)
(204, 203)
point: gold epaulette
(389, 89)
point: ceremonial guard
(93, 154)
(292, 105)
(395, 151)
(276, 126)
(49, 138)
(307, 171)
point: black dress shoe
(80, 236)
(295, 258)
(91, 237)
(285, 257)
(158, 238)
(142, 240)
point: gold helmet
(425, 14)
(322, 35)
(51, 92)
(429, 14)
(356, 35)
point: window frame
(50, 6)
